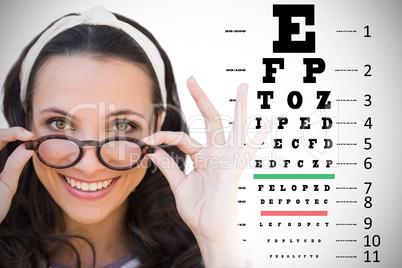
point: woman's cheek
(136, 175)
(45, 174)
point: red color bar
(294, 213)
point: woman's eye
(122, 125)
(59, 124)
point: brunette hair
(159, 236)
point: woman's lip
(88, 195)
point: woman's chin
(86, 215)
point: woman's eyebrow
(55, 110)
(111, 114)
(125, 112)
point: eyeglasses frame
(34, 145)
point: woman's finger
(9, 177)
(179, 139)
(12, 134)
(168, 167)
(13, 168)
(259, 137)
(213, 122)
(238, 132)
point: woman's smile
(87, 186)
(88, 189)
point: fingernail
(192, 80)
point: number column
(371, 241)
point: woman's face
(91, 99)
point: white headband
(96, 16)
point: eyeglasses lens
(59, 152)
(120, 153)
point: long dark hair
(28, 235)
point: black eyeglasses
(117, 153)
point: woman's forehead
(66, 81)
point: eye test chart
(324, 188)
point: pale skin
(206, 197)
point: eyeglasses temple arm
(150, 149)
(30, 145)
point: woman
(83, 146)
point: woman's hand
(13, 167)
(206, 198)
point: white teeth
(93, 186)
(88, 187)
(84, 186)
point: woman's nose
(89, 162)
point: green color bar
(294, 176)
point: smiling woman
(95, 98)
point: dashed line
(346, 202)
(346, 100)
(346, 31)
(346, 70)
(346, 123)
(345, 240)
(346, 188)
(346, 164)
(346, 144)
(346, 224)
(346, 257)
